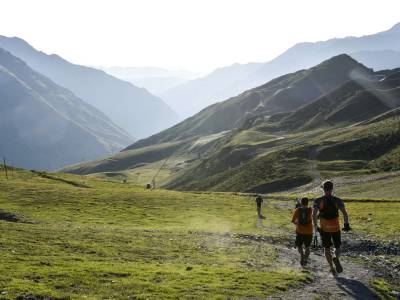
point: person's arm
(295, 217)
(315, 219)
(345, 214)
(346, 226)
(342, 208)
(315, 214)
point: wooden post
(5, 167)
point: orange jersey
(301, 229)
(329, 225)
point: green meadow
(75, 237)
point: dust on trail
(351, 284)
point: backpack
(303, 216)
(298, 205)
(329, 209)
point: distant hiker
(328, 207)
(302, 218)
(148, 186)
(259, 201)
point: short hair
(327, 185)
(304, 201)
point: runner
(328, 207)
(259, 201)
(302, 218)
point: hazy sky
(196, 35)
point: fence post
(5, 167)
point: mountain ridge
(209, 90)
(127, 105)
(37, 113)
(338, 113)
(267, 97)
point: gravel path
(351, 284)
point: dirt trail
(351, 284)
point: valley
(337, 119)
(135, 182)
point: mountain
(45, 126)
(352, 130)
(336, 119)
(305, 55)
(226, 82)
(132, 108)
(189, 98)
(158, 85)
(283, 94)
(156, 80)
(130, 73)
(355, 101)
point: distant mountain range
(156, 80)
(336, 117)
(147, 72)
(191, 97)
(45, 126)
(378, 51)
(133, 109)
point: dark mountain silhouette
(134, 109)
(230, 81)
(355, 101)
(45, 126)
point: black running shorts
(331, 238)
(303, 239)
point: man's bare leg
(328, 255)
(307, 253)
(336, 260)
(338, 252)
(302, 255)
(300, 249)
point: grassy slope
(113, 240)
(333, 136)
(128, 159)
(285, 160)
(260, 161)
(142, 175)
(380, 188)
(116, 240)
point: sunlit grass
(117, 240)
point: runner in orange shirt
(328, 207)
(302, 218)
